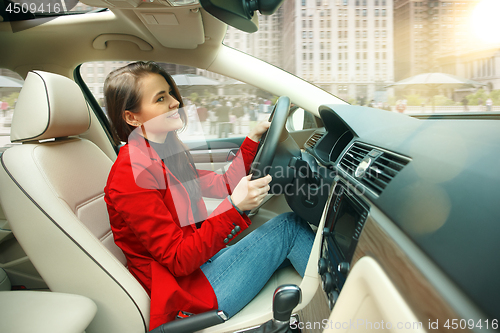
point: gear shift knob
(285, 299)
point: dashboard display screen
(344, 221)
(345, 226)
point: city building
(439, 36)
(265, 44)
(94, 74)
(425, 30)
(343, 46)
(481, 64)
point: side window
(217, 106)
(10, 86)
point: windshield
(407, 56)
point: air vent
(353, 157)
(314, 139)
(378, 167)
(383, 170)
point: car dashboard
(418, 196)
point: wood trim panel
(421, 296)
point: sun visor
(179, 28)
(176, 24)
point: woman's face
(158, 108)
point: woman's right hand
(248, 194)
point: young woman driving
(154, 193)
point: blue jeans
(237, 273)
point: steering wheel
(270, 139)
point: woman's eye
(161, 99)
(171, 92)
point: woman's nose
(174, 103)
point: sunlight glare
(486, 22)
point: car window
(364, 51)
(10, 86)
(217, 106)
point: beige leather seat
(52, 193)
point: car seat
(52, 190)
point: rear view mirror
(240, 13)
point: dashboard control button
(343, 267)
(322, 266)
(328, 282)
(332, 299)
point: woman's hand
(248, 194)
(258, 130)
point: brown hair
(122, 92)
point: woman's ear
(131, 119)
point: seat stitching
(89, 201)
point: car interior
(404, 207)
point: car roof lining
(45, 46)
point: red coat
(164, 250)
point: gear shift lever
(285, 299)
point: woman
(159, 220)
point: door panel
(213, 154)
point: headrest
(49, 106)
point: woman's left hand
(258, 130)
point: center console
(345, 218)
